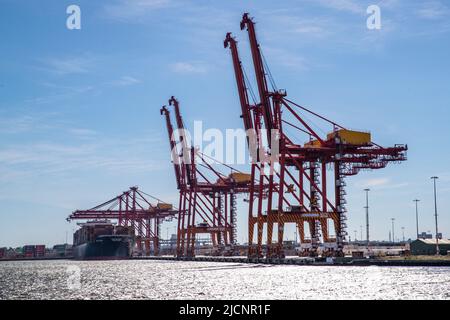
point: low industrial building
(428, 247)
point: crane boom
(185, 153)
(240, 81)
(298, 189)
(260, 74)
(173, 147)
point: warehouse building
(428, 247)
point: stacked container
(100, 230)
(29, 251)
(124, 231)
(40, 251)
(88, 233)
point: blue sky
(79, 109)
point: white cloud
(49, 158)
(301, 24)
(377, 182)
(126, 81)
(444, 176)
(343, 5)
(27, 123)
(433, 10)
(187, 67)
(285, 58)
(324, 29)
(81, 132)
(380, 184)
(64, 93)
(68, 65)
(310, 30)
(130, 9)
(17, 125)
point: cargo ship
(102, 240)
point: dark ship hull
(109, 247)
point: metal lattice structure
(207, 197)
(300, 167)
(133, 208)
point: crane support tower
(133, 209)
(207, 197)
(305, 171)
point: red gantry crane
(207, 202)
(133, 209)
(299, 167)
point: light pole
(436, 214)
(417, 218)
(367, 217)
(393, 232)
(403, 233)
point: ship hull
(103, 249)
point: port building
(428, 247)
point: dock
(308, 261)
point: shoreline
(312, 261)
(287, 261)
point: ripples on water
(137, 279)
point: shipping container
(240, 177)
(29, 251)
(124, 230)
(358, 254)
(60, 249)
(357, 138)
(29, 248)
(313, 144)
(164, 206)
(40, 251)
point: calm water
(206, 280)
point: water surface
(137, 279)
